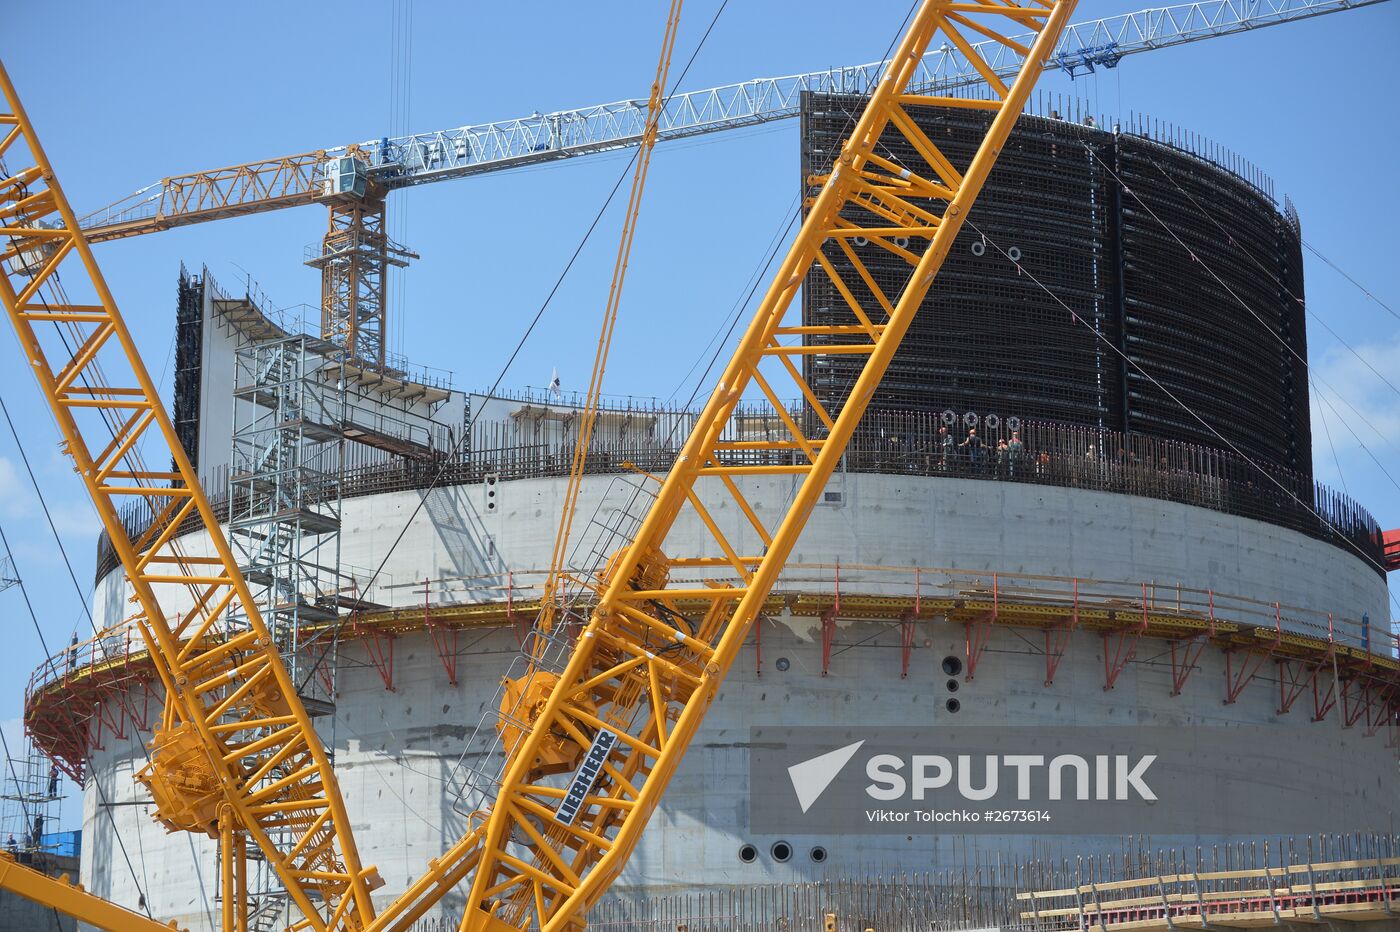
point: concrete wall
(396, 752)
(910, 521)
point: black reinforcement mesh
(189, 351)
(989, 340)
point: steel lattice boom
(542, 137)
(603, 737)
(236, 752)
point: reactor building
(1126, 300)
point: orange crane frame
(236, 745)
(237, 752)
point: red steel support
(1294, 676)
(444, 638)
(322, 669)
(1383, 711)
(1125, 650)
(1353, 710)
(980, 632)
(1122, 654)
(1057, 638)
(1237, 680)
(445, 643)
(1323, 702)
(906, 643)
(1184, 663)
(380, 650)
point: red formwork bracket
(1294, 678)
(380, 650)
(1323, 702)
(906, 643)
(1353, 706)
(978, 633)
(1057, 638)
(445, 643)
(323, 671)
(1383, 712)
(1122, 652)
(1238, 676)
(1186, 654)
(1125, 644)
(828, 637)
(139, 714)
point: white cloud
(76, 519)
(1356, 407)
(14, 495)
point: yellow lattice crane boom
(670, 617)
(236, 748)
(236, 751)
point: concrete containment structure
(415, 679)
(1097, 578)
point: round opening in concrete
(748, 854)
(781, 851)
(952, 665)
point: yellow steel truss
(648, 664)
(219, 193)
(235, 742)
(62, 894)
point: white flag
(554, 385)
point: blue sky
(125, 94)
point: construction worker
(11, 844)
(53, 779)
(1016, 449)
(973, 446)
(946, 448)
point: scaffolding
(284, 523)
(299, 400)
(31, 801)
(33, 805)
(284, 484)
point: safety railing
(921, 588)
(1355, 889)
(891, 442)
